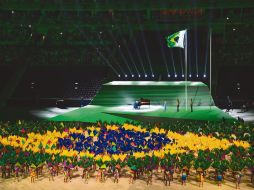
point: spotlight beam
(209, 46)
(135, 46)
(106, 60)
(196, 39)
(146, 50)
(173, 61)
(181, 60)
(128, 51)
(120, 51)
(116, 62)
(171, 54)
(189, 59)
(108, 63)
(196, 46)
(162, 51)
(110, 52)
(206, 53)
(144, 43)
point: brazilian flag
(176, 39)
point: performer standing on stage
(229, 104)
(165, 106)
(191, 105)
(82, 102)
(177, 104)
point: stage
(114, 103)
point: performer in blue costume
(136, 105)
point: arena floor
(121, 114)
(44, 184)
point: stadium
(126, 94)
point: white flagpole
(186, 93)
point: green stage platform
(114, 103)
(122, 114)
(127, 92)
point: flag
(176, 39)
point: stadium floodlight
(182, 75)
(234, 29)
(227, 18)
(12, 12)
(132, 75)
(152, 75)
(197, 75)
(168, 75)
(126, 76)
(30, 26)
(190, 75)
(204, 76)
(76, 83)
(145, 75)
(61, 33)
(175, 75)
(119, 76)
(139, 76)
